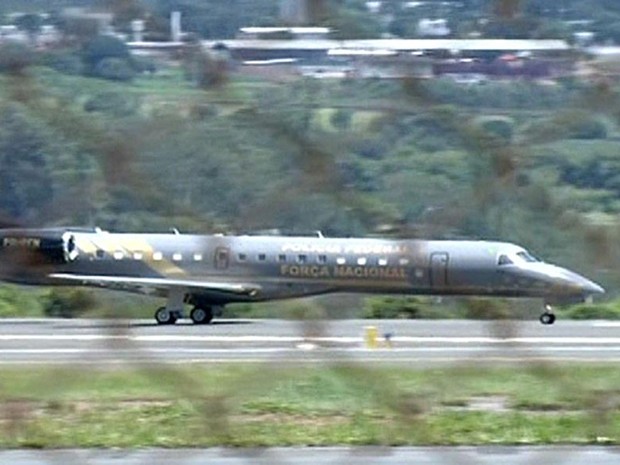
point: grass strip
(279, 404)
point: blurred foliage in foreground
(279, 404)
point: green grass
(169, 83)
(268, 405)
(361, 120)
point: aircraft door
(439, 269)
(222, 258)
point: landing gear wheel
(201, 316)
(163, 316)
(547, 318)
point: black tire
(201, 316)
(547, 319)
(165, 317)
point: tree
(341, 119)
(114, 69)
(15, 58)
(63, 61)
(102, 47)
(497, 126)
(112, 103)
(26, 187)
(31, 23)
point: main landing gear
(201, 314)
(548, 317)
(163, 316)
(198, 315)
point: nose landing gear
(548, 317)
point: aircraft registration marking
(28, 242)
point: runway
(562, 455)
(414, 342)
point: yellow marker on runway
(370, 337)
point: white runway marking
(606, 324)
(301, 339)
(271, 350)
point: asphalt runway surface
(329, 456)
(414, 342)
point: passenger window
(137, 256)
(382, 262)
(403, 261)
(262, 257)
(504, 260)
(177, 257)
(99, 253)
(282, 258)
(302, 258)
(322, 259)
(158, 256)
(197, 257)
(118, 255)
(341, 260)
(361, 261)
(242, 257)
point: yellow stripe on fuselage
(128, 245)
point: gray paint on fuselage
(312, 265)
(472, 265)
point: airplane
(211, 271)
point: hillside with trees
(156, 151)
(90, 135)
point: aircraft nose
(571, 283)
(590, 287)
(585, 286)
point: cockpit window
(504, 260)
(526, 256)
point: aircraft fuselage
(276, 267)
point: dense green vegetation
(91, 135)
(285, 405)
(530, 163)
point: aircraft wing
(158, 285)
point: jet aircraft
(210, 271)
